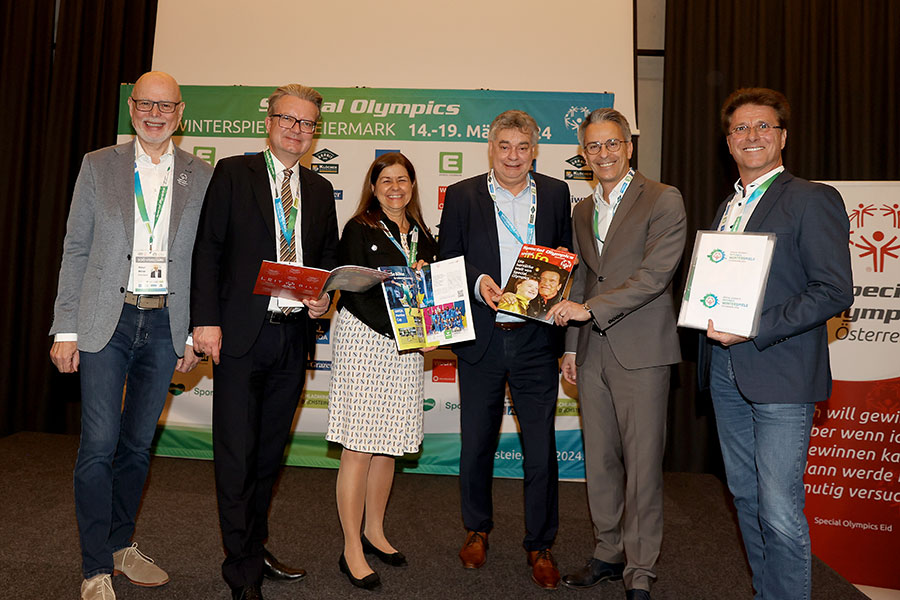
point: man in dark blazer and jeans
(764, 389)
(486, 219)
(259, 207)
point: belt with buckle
(509, 326)
(277, 317)
(146, 301)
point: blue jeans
(114, 454)
(764, 449)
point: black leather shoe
(594, 572)
(395, 559)
(637, 594)
(248, 592)
(278, 571)
(370, 582)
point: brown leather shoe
(543, 569)
(474, 551)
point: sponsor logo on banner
(451, 406)
(567, 407)
(323, 331)
(508, 407)
(579, 174)
(577, 161)
(575, 115)
(427, 404)
(338, 195)
(450, 163)
(314, 399)
(325, 155)
(176, 389)
(326, 169)
(443, 370)
(442, 191)
(381, 151)
(206, 153)
(319, 365)
(874, 232)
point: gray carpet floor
(39, 558)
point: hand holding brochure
(727, 281)
(429, 307)
(539, 281)
(296, 282)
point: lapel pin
(182, 180)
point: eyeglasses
(612, 145)
(165, 106)
(288, 122)
(762, 128)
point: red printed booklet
(296, 282)
(539, 280)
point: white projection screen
(528, 45)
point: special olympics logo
(880, 241)
(716, 256)
(576, 115)
(709, 300)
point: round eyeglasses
(612, 145)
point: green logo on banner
(428, 404)
(313, 399)
(567, 407)
(206, 153)
(450, 163)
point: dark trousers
(524, 359)
(254, 400)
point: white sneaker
(98, 587)
(138, 567)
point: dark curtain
(59, 100)
(838, 63)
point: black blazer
(237, 232)
(369, 247)
(469, 229)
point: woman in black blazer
(375, 404)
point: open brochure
(727, 281)
(430, 306)
(296, 282)
(540, 279)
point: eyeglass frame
(283, 117)
(607, 143)
(157, 103)
(762, 128)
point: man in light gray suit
(122, 313)
(629, 237)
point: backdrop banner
(852, 489)
(444, 134)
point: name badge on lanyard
(150, 267)
(532, 213)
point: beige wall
(463, 44)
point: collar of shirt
(743, 193)
(598, 192)
(144, 161)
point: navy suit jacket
(237, 232)
(469, 229)
(810, 281)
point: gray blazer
(629, 286)
(99, 240)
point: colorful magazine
(430, 306)
(296, 282)
(540, 279)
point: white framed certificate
(727, 281)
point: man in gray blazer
(122, 313)
(629, 237)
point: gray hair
(296, 90)
(600, 115)
(515, 119)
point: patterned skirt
(375, 403)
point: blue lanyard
(532, 214)
(287, 225)
(614, 204)
(414, 244)
(753, 197)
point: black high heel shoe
(395, 560)
(370, 582)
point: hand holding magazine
(540, 279)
